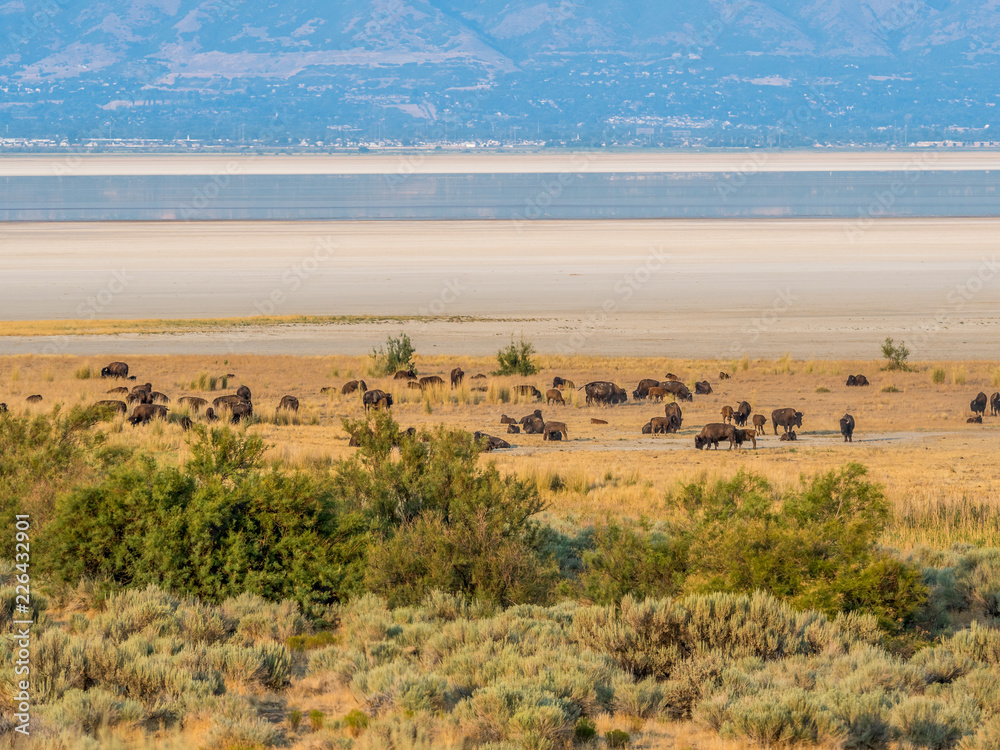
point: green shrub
(84, 373)
(822, 389)
(938, 376)
(959, 376)
(895, 355)
(515, 359)
(397, 354)
(356, 722)
(617, 738)
(924, 722)
(585, 730)
(316, 719)
(627, 560)
(294, 719)
(889, 389)
(785, 719)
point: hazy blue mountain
(412, 70)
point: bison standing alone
(115, 370)
(787, 418)
(847, 428)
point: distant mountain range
(613, 71)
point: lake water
(687, 195)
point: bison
(34, 399)
(242, 410)
(456, 377)
(661, 425)
(978, 419)
(727, 414)
(978, 404)
(3, 408)
(551, 427)
(405, 375)
(504, 419)
(790, 435)
(489, 442)
(859, 380)
(430, 381)
(851, 380)
(743, 435)
(536, 414)
(210, 414)
(994, 404)
(647, 428)
(787, 418)
(670, 376)
(678, 389)
(159, 398)
(742, 414)
(413, 385)
(528, 390)
(376, 399)
(186, 423)
(714, 432)
(145, 412)
(642, 389)
(244, 393)
(513, 429)
(723, 375)
(554, 394)
(116, 406)
(115, 370)
(196, 403)
(702, 388)
(847, 428)
(229, 401)
(759, 423)
(674, 414)
(478, 376)
(120, 390)
(140, 396)
(657, 393)
(604, 392)
(289, 402)
(595, 420)
(533, 426)
(558, 382)
(353, 385)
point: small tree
(895, 356)
(516, 359)
(397, 354)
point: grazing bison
(228, 401)
(196, 403)
(702, 388)
(413, 385)
(405, 375)
(34, 399)
(723, 375)
(847, 428)
(289, 402)
(140, 396)
(661, 425)
(489, 442)
(742, 414)
(670, 376)
(186, 423)
(210, 414)
(743, 435)
(674, 414)
(859, 380)
(116, 406)
(478, 376)
(978, 404)
(727, 414)
(3, 408)
(790, 435)
(759, 423)
(536, 414)
(680, 391)
(994, 404)
(978, 419)
(787, 418)
(595, 420)
(558, 382)
(504, 419)
(533, 426)
(528, 390)
(242, 410)
(647, 428)
(513, 429)
(115, 370)
(120, 390)
(159, 398)
(714, 432)
(851, 380)
(604, 392)
(353, 385)
(456, 377)
(657, 393)
(327, 389)
(244, 393)
(431, 380)
(145, 412)
(554, 394)
(143, 387)
(642, 389)
(376, 399)
(551, 427)
(862, 380)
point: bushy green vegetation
(896, 355)
(515, 359)
(397, 354)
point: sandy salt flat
(695, 288)
(429, 162)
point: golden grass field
(937, 469)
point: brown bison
(353, 385)
(714, 432)
(661, 425)
(456, 377)
(674, 414)
(376, 399)
(847, 428)
(994, 404)
(978, 404)
(116, 406)
(742, 414)
(759, 423)
(647, 428)
(551, 427)
(528, 390)
(790, 435)
(605, 393)
(242, 410)
(727, 414)
(670, 376)
(743, 435)
(120, 390)
(978, 419)
(678, 389)
(504, 419)
(244, 393)
(186, 423)
(594, 420)
(723, 375)
(145, 412)
(657, 393)
(558, 382)
(159, 398)
(327, 389)
(702, 388)
(196, 403)
(478, 376)
(140, 396)
(210, 414)
(405, 375)
(34, 399)
(115, 370)
(643, 388)
(787, 418)
(513, 429)
(228, 401)
(533, 426)
(554, 394)
(413, 385)
(536, 414)
(489, 442)
(289, 402)
(859, 380)
(431, 380)
(3, 408)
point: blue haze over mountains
(590, 73)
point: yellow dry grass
(936, 469)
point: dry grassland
(937, 470)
